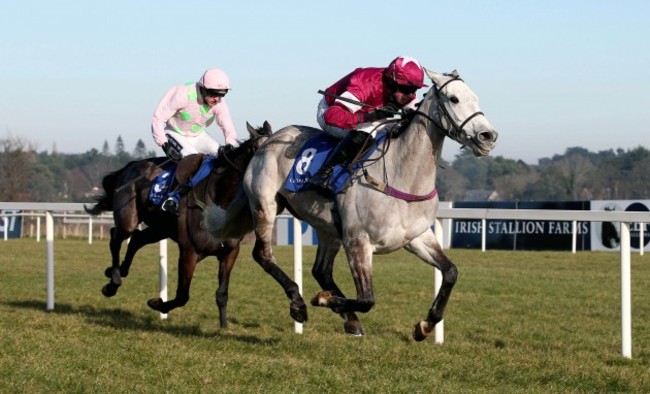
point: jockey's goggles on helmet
(215, 92)
(405, 89)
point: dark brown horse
(126, 194)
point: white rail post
(297, 264)
(439, 330)
(5, 223)
(641, 238)
(162, 273)
(483, 234)
(49, 226)
(38, 229)
(574, 236)
(90, 230)
(626, 293)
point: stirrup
(321, 179)
(170, 205)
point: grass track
(516, 322)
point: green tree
(105, 149)
(140, 151)
(119, 146)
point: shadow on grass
(124, 320)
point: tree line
(576, 175)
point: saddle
(162, 186)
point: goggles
(214, 92)
(405, 89)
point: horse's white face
(460, 114)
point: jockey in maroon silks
(383, 91)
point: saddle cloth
(159, 188)
(313, 155)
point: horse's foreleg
(227, 255)
(263, 255)
(359, 256)
(428, 249)
(186, 264)
(322, 272)
(113, 272)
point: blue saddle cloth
(311, 158)
(159, 188)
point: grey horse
(390, 204)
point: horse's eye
(454, 99)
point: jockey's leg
(184, 171)
(344, 153)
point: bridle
(444, 113)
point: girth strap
(390, 191)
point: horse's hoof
(109, 290)
(156, 304)
(419, 334)
(321, 298)
(353, 328)
(298, 313)
(114, 275)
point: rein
(232, 164)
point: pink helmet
(405, 70)
(215, 78)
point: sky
(550, 74)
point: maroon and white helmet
(215, 79)
(405, 70)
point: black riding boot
(173, 201)
(343, 154)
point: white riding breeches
(202, 143)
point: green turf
(516, 322)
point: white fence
(624, 218)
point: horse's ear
(267, 128)
(251, 130)
(436, 78)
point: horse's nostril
(487, 136)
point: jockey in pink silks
(180, 120)
(385, 91)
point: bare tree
(17, 156)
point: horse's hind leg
(139, 238)
(227, 256)
(428, 249)
(263, 255)
(322, 272)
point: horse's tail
(232, 222)
(105, 201)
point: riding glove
(172, 152)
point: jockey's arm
(224, 121)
